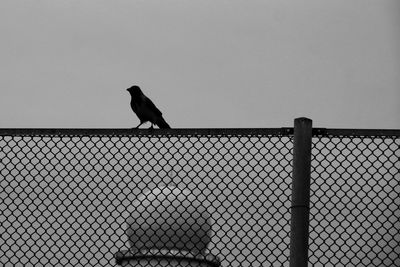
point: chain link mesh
(355, 189)
(65, 199)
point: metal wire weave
(355, 200)
(65, 195)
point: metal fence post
(300, 192)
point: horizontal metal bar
(355, 132)
(213, 132)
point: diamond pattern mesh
(65, 198)
(355, 189)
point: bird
(145, 109)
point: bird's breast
(144, 112)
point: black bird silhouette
(145, 109)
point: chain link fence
(65, 195)
(355, 199)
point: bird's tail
(162, 124)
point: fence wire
(65, 199)
(65, 196)
(355, 200)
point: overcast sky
(67, 63)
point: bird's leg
(138, 126)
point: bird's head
(134, 90)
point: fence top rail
(189, 132)
(322, 132)
(177, 132)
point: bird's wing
(134, 106)
(151, 106)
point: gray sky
(204, 63)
